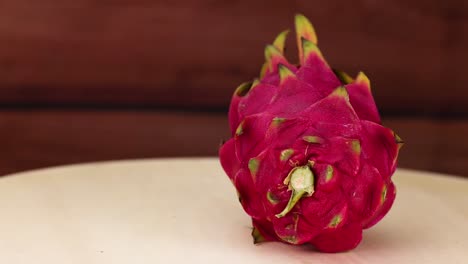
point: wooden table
(186, 211)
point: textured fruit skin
(307, 116)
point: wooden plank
(434, 145)
(33, 139)
(162, 53)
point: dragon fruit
(308, 156)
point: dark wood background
(84, 80)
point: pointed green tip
(253, 166)
(301, 182)
(257, 236)
(272, 57)
(341, 92)
(263, 70)
(305, 29)
(271, 52)
(383, 195)
(336, 220)
(328, 173)
(240, 129)
(356, 146)
(290, 239)
(312, 139)
(243, 89)
(277, 121)
(343, 76)
(398, 139)
(255, 83)
(284, 73)
(361, 78)
(272, 198)
(310, 49)
(286, 154)
(280, 40)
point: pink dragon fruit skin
(308, 156)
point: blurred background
(84, 80)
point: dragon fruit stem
(301, 182)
